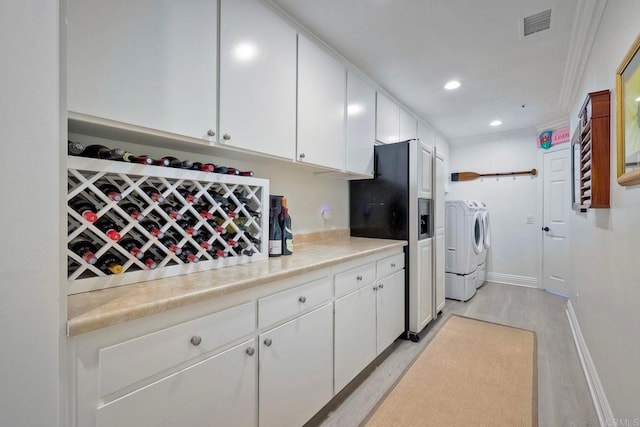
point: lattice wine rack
(131, 223)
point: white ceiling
(411, 48)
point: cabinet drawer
(284, 304)
(390, 265)
(134, 360)
(355, 278)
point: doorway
(556, 207)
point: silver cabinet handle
(359, 278)
(211, 132)
(302, 299)
(250, 351)
(196, 340)
(380, 286)
(302, 156)
(268, 342)
(226, 137)
(393, 264)
(375, 288)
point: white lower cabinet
(369, 319)
(273, 357)
(296, 367)
(220, 390)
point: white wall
(514, 256)
(605, 242)
(31, 307)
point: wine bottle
(163, 161)
(132, 158)
(188, 227)
(86, 209)
(218, 249)
(153, 228)
(101, 152)
(189, 255)
(110, 190)
(74, 148)
(133, 210)
(110, 264)
(150, 263)
(85, 250)
(233, 171)
(275, 234)
(171, 244)
(189, 196)
(204, 167)
(170, 210)
(133, 247)
(246, 249)
(285, 224)
(246, 173)
(108, 228)
(203, 240)
(204, 209)
(153, 193)
(220, 169)
(180, 164)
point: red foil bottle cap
(90, 258)
(189, 230)
(232, 214)
(151, 264)
(176, 215)
(208, 167)
(220, 253)
(113, 235)
(190, 198)
(219, 229)
(115, 196)
(205, 244)
(158, 233)
(90, 216)
(137, 253)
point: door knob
(545, 229)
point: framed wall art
(628, 116)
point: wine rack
(181, 221)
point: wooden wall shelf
(593, 152)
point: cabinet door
(439, 275)
(387, 119)
(355, 334)
(321, 106)
(439, 181)
(421, 298)
(426, 135)
(408, 126)
(361, 125)
(425, 160)
(390, 310)
(296, 369)
(221, 390)
(257, 79)
(150, 63)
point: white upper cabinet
(148, 63)
(361, 125)
(426, 135)
(408, 126)
(257, 79)
(425, 161)
(387, 119)
(321, 106)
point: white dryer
(464, 243)
(486, 239)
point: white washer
(486, 234)
(464, 242)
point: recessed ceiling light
(495, 123)
(453, 84)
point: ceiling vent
(538, 22)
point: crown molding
(585, 27)
(553, 124)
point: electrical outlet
(529, 219)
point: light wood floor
(563, 395)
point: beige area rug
(473, 373)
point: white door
(556, 208)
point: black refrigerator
(388, 207)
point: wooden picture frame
(628, 116)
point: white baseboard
(510, 279)
(605, 415)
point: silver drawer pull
(393, 264)
(251, 351)
(302, 299)
(226, 137)
(196, 340)
(375, 288)
(359, 278)
(380, 286)
(211, 132)
(268, 342)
